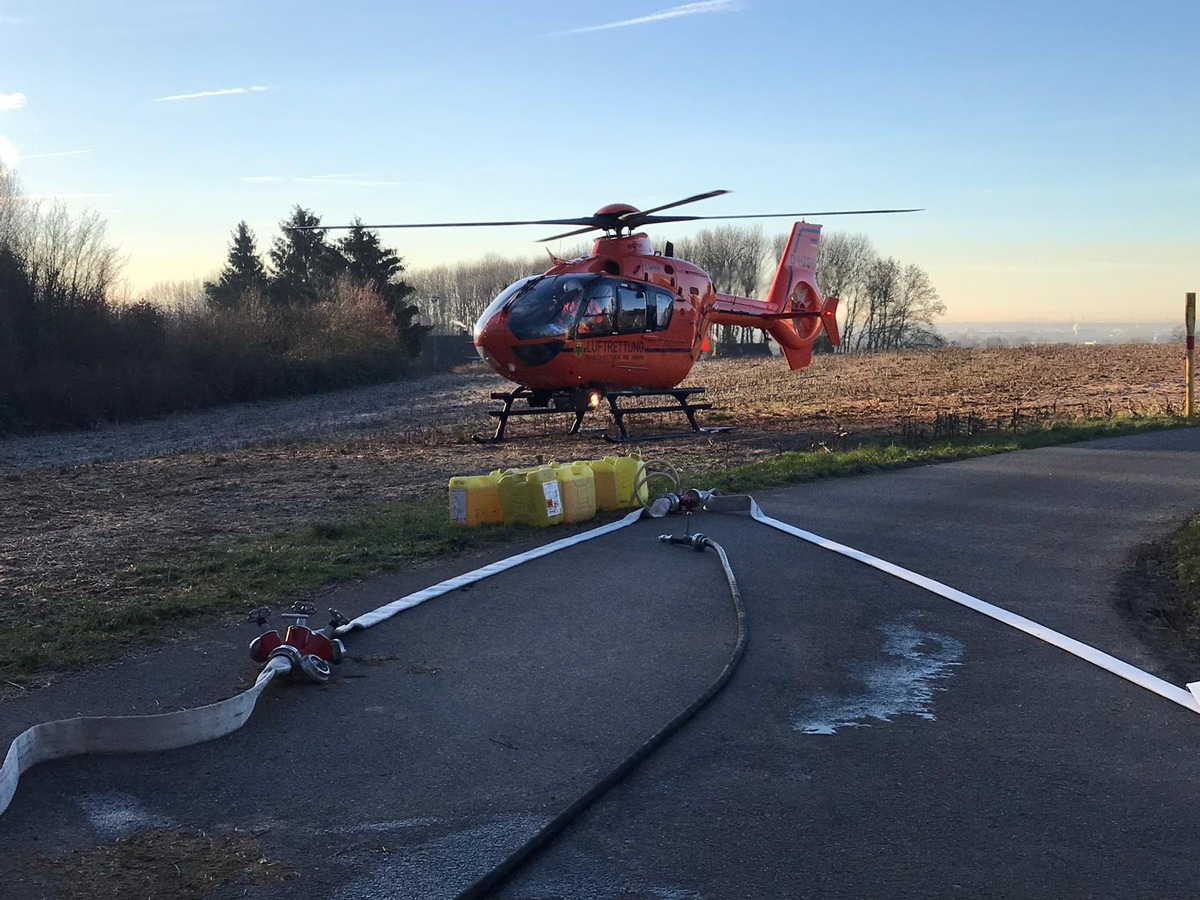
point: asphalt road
(877, 741)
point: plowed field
(76, 508)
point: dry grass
(66, 533)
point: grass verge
(794, 468)
(1184, 570)
(155, 595)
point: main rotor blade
(658, 220)
(693, 199)
(566, 234)
(580, 221)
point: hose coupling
(697, 541)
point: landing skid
(577, 403)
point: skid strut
(579, 402)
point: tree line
(885, 304)
(317, 316)
(307, 269)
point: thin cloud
(65, 195)
(356, 180)
(12, 20)
(345, 181)
(220, 93)
(675, 12)
(58, 153)
(12, 102)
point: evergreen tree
(302, 262)
(380, 267)
(243, 273)
(368, 260)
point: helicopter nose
(487, 333)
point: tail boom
(794, 312)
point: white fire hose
(128, 734)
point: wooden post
(1189, 316)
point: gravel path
(446, 402)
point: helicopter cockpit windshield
(549, 308)
(496, 305)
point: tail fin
(795, 290)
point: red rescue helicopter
(625, 321)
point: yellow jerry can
(577, 484)
(475, 500)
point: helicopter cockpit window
(663, 304)
(549, 308)
(496, 305)
(600, 311)
(631, 309)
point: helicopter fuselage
(623, 317)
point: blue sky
(1055, 147)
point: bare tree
(452, 297)
(842, 266)
(900, 305)
(184, 297)
(15, 213)
(732, 255)
(922, 305)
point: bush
(98, 363)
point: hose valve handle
(300, 611)
(259, 616)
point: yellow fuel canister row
(545, 495)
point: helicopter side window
(631, 309)
(663, 304)
(599, 312)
